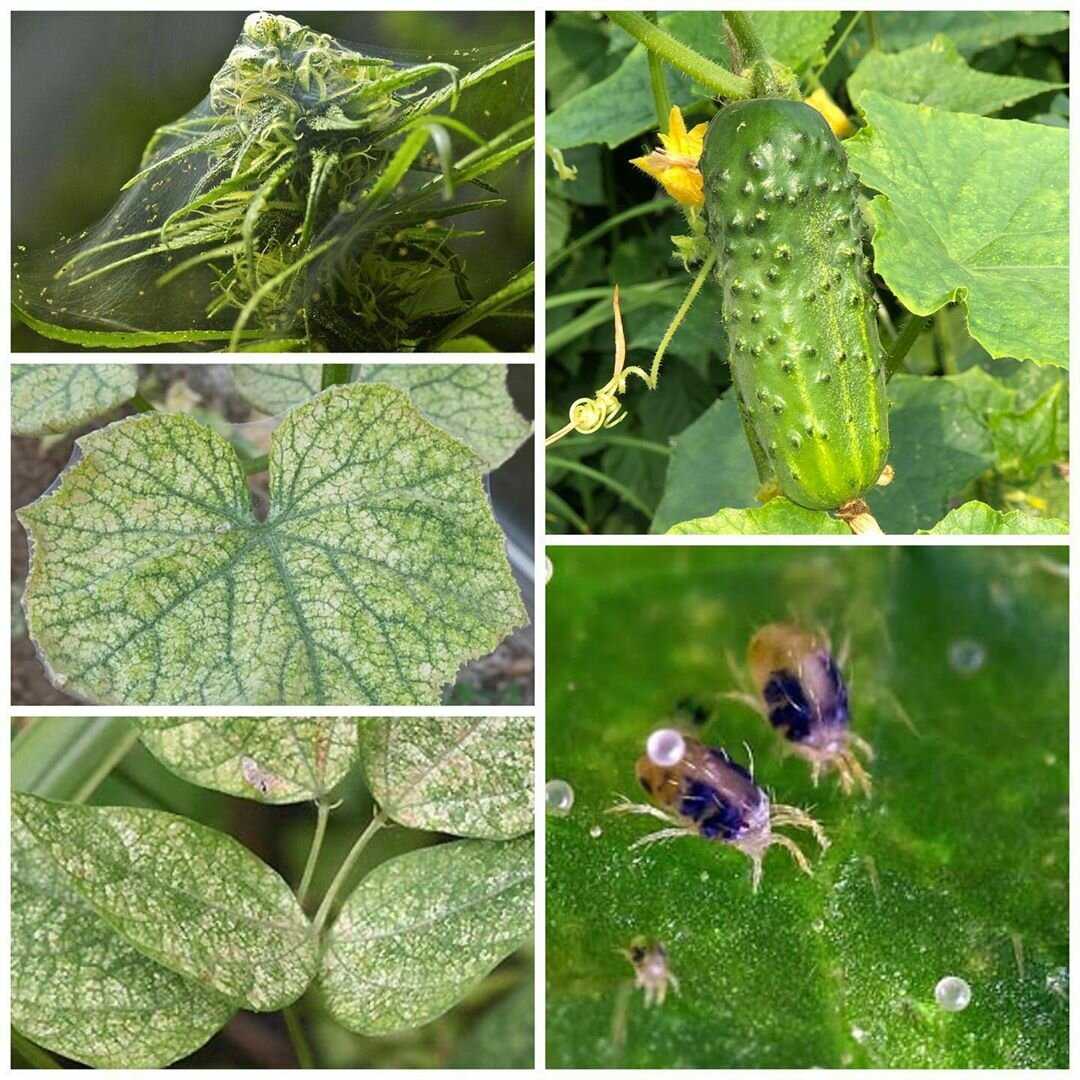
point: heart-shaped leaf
(977, 517)
(972, 210)
(461, 775)
(378, 571)
(48, 399)
(422, 929)
(276, 388)
(778, 515)
(269, 759)
(186, 896)
(79, 989)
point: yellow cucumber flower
(676, 165)
(842, 127)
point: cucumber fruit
(807, 363)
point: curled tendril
(604, 409)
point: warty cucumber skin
(806, 358)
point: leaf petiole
(377, 822)
(316, 848)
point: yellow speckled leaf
(47, 399)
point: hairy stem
(676, 322)
(658, 82)
(753, 48)
(703, 71)
(313, 854)
(376, 823)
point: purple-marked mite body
(707, 794)
(802, 693)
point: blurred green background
(957, 864)
(89, 89)
(485, 1031)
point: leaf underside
(378, 571)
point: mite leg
(663, 834)
(798, 819)
(854, 768)
(795, 851)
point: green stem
(603, 292)
(621, 490)
(376, 823)
(140, 404)
(676, 322)
(612, 223)
(106, 765)
(716, 79)
(753, 48)
(816, 74)
(31, 1053)
(335, 375)
(301, 1047)
(872, 31)
(658, 82)
(912, 328)
(313, 854)
(568, 512)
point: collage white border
(540, 540)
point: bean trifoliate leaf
(462, 775)
(271, 760)
(188, 897)
(421, 930)
(49, 399)
(377, 572)
(80, 989)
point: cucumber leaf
(958, 864)
(977, 517)
(269, 759)
(468, 776)
(276, 388)
(971, 210)
(778, 515)
(936, 74)
(421, 930)
(49, 399)
(378, 571)
(80, 989)
(188, 897)
(972, 31)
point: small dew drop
(596, 832)
(966, 657)
(665, 747)
(819, 926)
(558, 797)
(952, 994)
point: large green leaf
(79, 989)
(956, 865)
(503, 1037)
(971, 30)
(468, 401)
(621, 106)
(778, 515)
(424, 928)
(977, 517)
(48, 399)
(461, 775)
(276, 388)
(186, 896)
(711, 467)
(972, 210)
(936, 74)
(270, 759)
(378, 571)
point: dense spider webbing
(297, 201)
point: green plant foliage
(315, 195)
(503, 1039)
(937, 75)
(277, 388)
(269, 759)
(464, 776)
(977, 517)
(972, 31)
(956, 864)
(378, 571)
(778, 515)
(188, 897)
(81, 989)
(422, 929)
(973, 210)
(48, 399)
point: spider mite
(801, 692)
(704, 793)
(651, 971)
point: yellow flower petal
(684, 185)
(838, 120)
